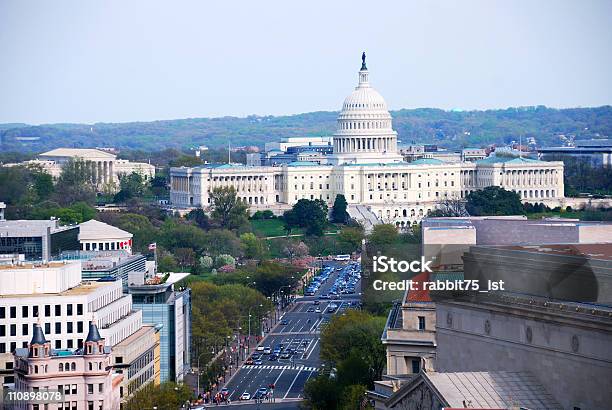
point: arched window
(73, 366)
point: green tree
(166, 396)
(75, 183)
(253, 246)
(353, 336)
(224, 259)
(227, 209)
(167, 263)
(349, 239)
(494, 200)
(218, 241)
(43, 185)
(321, 393)
(206, 263)
(308, 214)
(338, 213)
(131, 186)
(383, 234)
(199, 217)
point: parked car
(260, 348)
(267, 350)
(245, 396)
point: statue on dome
(363, 64)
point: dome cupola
(364, 131)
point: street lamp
(249, 339)
(199, 370)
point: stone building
(105, 167)
(85, 376)
(367, 169)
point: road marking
(312, 350)
(292, 383)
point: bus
(342, 258)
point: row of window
(25, 311)
(70, 344)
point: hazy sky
(117, 61)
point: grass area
(270, 227)
(587, 215)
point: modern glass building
(164, 306)
(37, 240)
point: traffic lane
(251, 378)
(310, 356)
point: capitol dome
(364, 129)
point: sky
(121, 61)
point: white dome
(364, 102)
(364, 99)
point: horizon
(137, 63)
(302, 113)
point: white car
(260, 348)
(245, 396)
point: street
(297, 337)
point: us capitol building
(367, 169)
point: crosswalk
(286, 367)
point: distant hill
(452, 129)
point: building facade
(367, 169)
(106, 169)
(37, 240)
(54, 296)
(170, 309)
(85, 376)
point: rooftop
(508, 160)
(31, 227)
(94, 230)
(85, 288)
(78, 152)
(492, 390)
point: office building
(169, 308)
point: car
(257, 362)
(311, 309)
(285, 355)
(249, 362)
(273, 357)
(260, 393)
(284, 322)
(245, 396)
(316, 302)
(260, 348)
(255, 356)
(317, 310)
(267, 350)
(224, 391)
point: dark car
(273, 357)
(284, 322)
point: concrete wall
(571, 358)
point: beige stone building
(367, 169)
(106, 169)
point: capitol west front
(368, 170)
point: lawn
(275, 227)
(270, 227)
